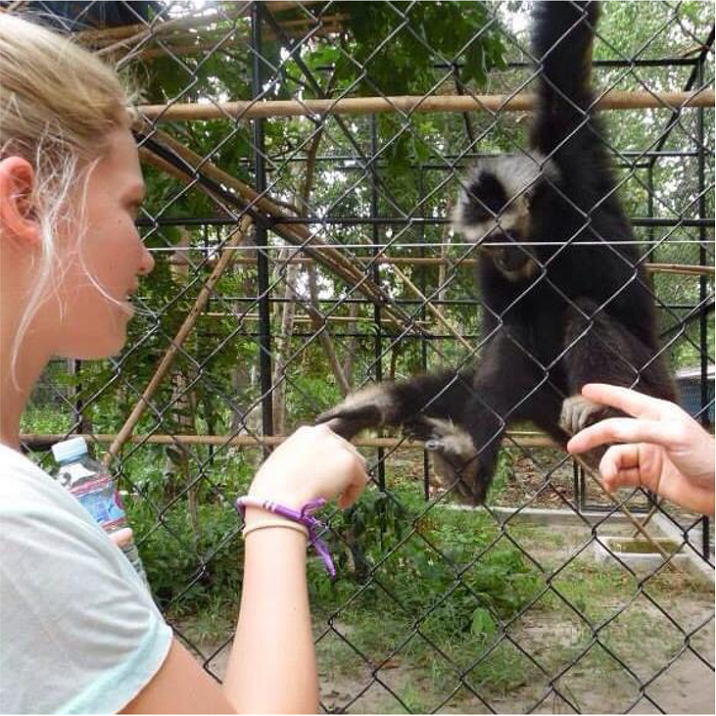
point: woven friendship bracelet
(302, 517)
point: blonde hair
(58, 104)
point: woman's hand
(663, 448)
(313, 462)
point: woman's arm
(272, 668)
(273, 664)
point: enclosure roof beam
(612, 100)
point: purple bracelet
(311, 523)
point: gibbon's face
(494, 210)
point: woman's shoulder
(25, 488)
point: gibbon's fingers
(619, 430)
(630, 401)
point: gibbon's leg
(601, 350)
(439, 395)
(508, 385)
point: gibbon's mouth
(509, 259)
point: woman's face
(102, 258)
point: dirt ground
(595, 683)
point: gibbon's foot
(454, 456)
(367, 408)
(578, 413)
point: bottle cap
(69, 449)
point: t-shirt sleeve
(79, 631)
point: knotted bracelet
(303, 517)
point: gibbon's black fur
(556, 315)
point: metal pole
(261, 233)
(703, 290)
(423, 317)
(378, 343)
(78, 420)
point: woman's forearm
(272, 668)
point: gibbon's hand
(314, 462)
(661, 448)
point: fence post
(375, 234)
(703, 290)
(261, 233)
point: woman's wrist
(292, 499)
(258, 515)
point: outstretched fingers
(620, 430)
(625, 399)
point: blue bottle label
(100, 498)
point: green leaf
(482, 623)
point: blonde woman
(79, 633)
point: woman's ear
(17, 214)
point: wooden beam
(524, 438)
(613, 100)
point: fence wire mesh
(302, 161)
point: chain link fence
(302, 161)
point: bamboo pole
(355, 106)
(428, 304)
(13, 6)
(186, 48)
(348, 268)
(523, 438)
(192, 21)
(294, 28)
(685, 269)
(319, 318)
(143, 31)
(182, 333)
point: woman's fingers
(359, 480)
(625, 399)
(357, 477)
(619, 430)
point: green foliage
(46, 420)
(174, 558)
(391, 541)
(398, 43)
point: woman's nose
(147, 264)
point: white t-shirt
(79, 633)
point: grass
(574, 613)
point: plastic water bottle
(90, 482)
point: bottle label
(101, 499)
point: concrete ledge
(545, 516)
(687, 558)
(696, 563)
(607, 547)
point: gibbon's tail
(562, 36)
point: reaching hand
(661, 448)
(314, 462)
